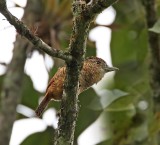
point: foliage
(43, 138)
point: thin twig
(98, 6)
(3, 63)
(36, 41)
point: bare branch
(3, 63)
(77, 49)
(24, 31)
(96, 7)
(153, 39)
(11, 90)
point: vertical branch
(11, 92)
(69, 105)
(12, 85)
(153, 38)
(83, 16)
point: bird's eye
(98, 62)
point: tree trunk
(13, 81)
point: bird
(92, 72)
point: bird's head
(101, 64)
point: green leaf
(106, 98)
(129, 50)
(106, 142)
(124, 129)
(90, 49)
(129, 12)
(129, 44)
(30, 96)
(119, 123)
(40, 138)
(129, 55)
(86, 115)
(156, 27)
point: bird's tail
(42, 105)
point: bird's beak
(108, 69)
